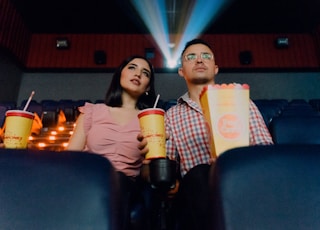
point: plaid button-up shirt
(188, 137)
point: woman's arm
(78, 139)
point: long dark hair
(113, 96)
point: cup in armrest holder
(153, 129)
(163, 173)
(18, 126)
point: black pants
(192, 201)
(135, 203)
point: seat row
(256, 187)
(280, 107)
(301, 129)
(291, 122)
(47, 110)
(287, 122)
(295, 121)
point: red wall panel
(301, 53)
(43, 52)
(39, 50)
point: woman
(111, 129)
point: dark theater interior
(98, 16)
(57, 56)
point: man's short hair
(194, 42)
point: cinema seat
(68, 107)
(303, 129)
(268, 112)
(3, 111)
(267, 188)
(50, 190)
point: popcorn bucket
(226, 111)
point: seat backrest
(56, 190)
(315, 103)
(269, 111)
(35, 108)
(9, 104)
(3, 111)
(49, 118)
(50, 105)
(68, 107)
(267, 188)
(295, 129)
(299, 110)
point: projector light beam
(193, 17)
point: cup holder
(163, 173)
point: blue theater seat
(9, 104)
(270, 108)
(49, 190)
(268, 112)
(34, 107)
(3, 111)
(315, 103)
(68, 106)
(303, 129)
(266, 188)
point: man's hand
(212, 160)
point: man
(188, 139)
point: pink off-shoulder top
(115, 142)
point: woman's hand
(172, 192)
(142, 146)
(145, 172)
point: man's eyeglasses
(204, 57)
